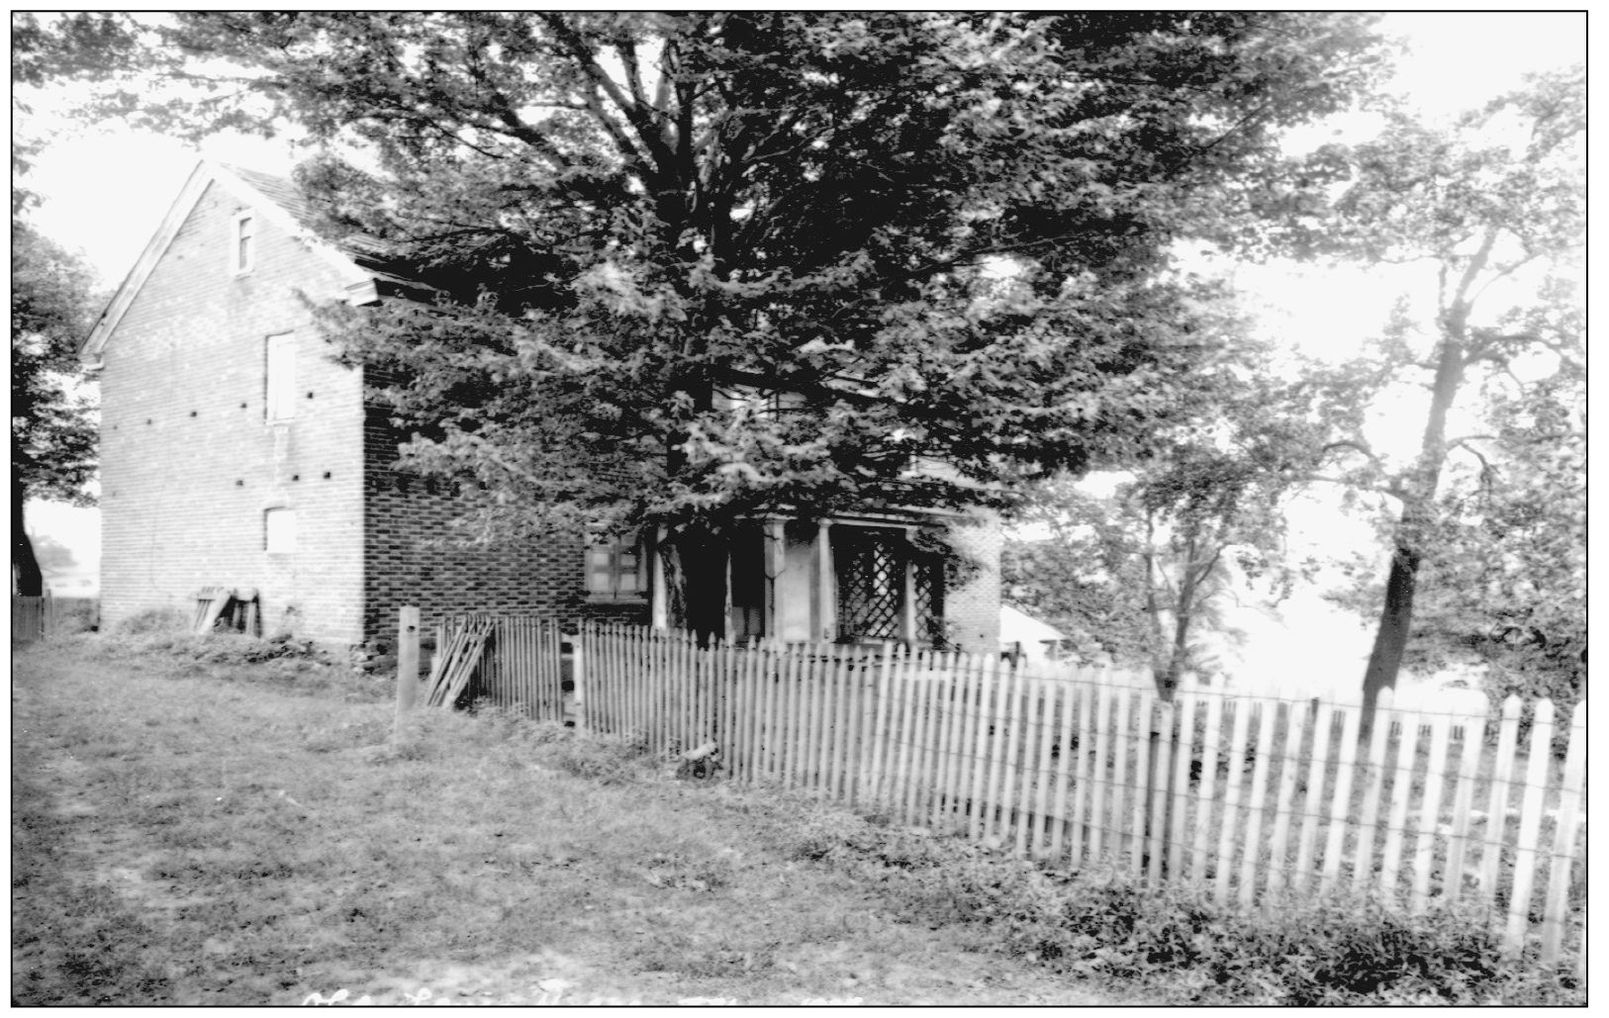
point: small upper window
(279, 377)
(244, 243)
(279, 531)
(617, 569)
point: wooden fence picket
(1290, 765)
(1538, 757)
(1375, 775)
(881, 740)
(1565, 824)
(1207, 789)
(1118, 806)
(1408, 723)
(1100, 760)
(1161, 770)
(1341, 800)
(1040, 808)
(1183, 757)
(988, 689)
(843, 755)
(927, 744)
(949, 756)
(995, 739)
(1313, 798)
(1430, 811)
(788, 719)
(1229, 823)
(900, 737)
(1144, 706)
(1497, 811)
(1064, 752)
(1078, 818)
(1018, 802)
(1266, 714)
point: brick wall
(189, 462)
(972, 607)
(411, 557)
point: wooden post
(659, 601)
(826, 624)
(407, 662)
(577, 679)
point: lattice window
(871, 583)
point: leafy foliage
(1148, 566)
(1102, 925)
(53, 428)
(702, 266)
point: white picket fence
(1251, 799)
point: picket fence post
(407, 663)
(1565, 824)
(1538, 758)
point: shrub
(1103, 924)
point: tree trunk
(26, 577)
(1418, 495)
(698, 571)
(1396, 620)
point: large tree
(1494, 206)
(694, 268)
(53, 437)
(53, 433)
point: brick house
(236, 452)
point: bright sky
(106, 189)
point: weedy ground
(231, 821)
(227, 822)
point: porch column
(826, 623)
(659, 605)
(775, 563)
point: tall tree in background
(53, 437)
(1149, 566)
(1497, 201)
(701, 267)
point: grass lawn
(193, 831)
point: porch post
(727, 613)
(776, 561)
(826, 623)
(910, 588)
(659, 604)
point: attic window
(243, 244)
